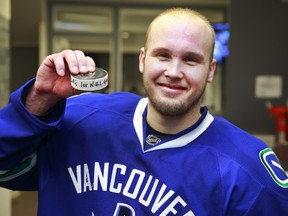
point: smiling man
(177, 64)
(122, 154)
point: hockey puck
(92, 81)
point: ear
(141, 59)
(212, 69)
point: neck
(172, 124)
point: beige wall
(5, 8)
(5, 195)
(5, 50)
(5, 203)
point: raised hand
(53, 79)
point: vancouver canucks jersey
(87, 157)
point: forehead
(182, 29)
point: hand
(53, 79)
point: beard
(172, 106)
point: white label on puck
(91, 81)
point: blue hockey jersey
(87, 158)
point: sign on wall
(268, 86)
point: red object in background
(281, 119)
(281, 142)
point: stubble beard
(171, 106)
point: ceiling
(26, 17)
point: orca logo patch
(124, 210)
(272, 164)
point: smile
(171, 86)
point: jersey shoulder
(119, 102)
(249, 154)
(234, 136)
(101, 108)
(105, 100)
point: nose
(173, 70)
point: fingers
(74, 62)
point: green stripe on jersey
(26, 165)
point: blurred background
(250, 86)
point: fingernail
(91, 68)
(75, 69)
(61, 72)
(83, 68)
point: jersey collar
(179, 140)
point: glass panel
(133, 26)
(213, 93)
(98, 48)
(82, 19)
(213, 15)
(134, 23)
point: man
(120, 154)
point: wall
(24, 41)
(5, 203)
(5, 18)
(258, 46)
(24, 64)
(5, 195)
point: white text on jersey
(135, 186)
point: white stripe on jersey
(175, 143)
(26, 165)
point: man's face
(176, 65)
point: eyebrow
(196, 55)
(159, 49)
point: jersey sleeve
(269, 203)
(252, 193)
(20, 136)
